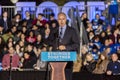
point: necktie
(60, 34)
(5, 25)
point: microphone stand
(47, 74)
(10, 70)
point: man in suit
(10, 60)
(6, 23)
(66, 40)
(28, 19)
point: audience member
(89, 63)
(101, 65)
(10, 60)
(113, 67)
(85, 19)
(5, 21)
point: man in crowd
(114, 66)
(6, 23)
(10, 60)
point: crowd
(22, 41)
(101, 55)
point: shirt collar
(5, 19)
(64, 27)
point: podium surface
(58, 62)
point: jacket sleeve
(4, 64)
(74, 41)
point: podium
(58, 62)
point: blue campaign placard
(58, 56)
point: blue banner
(58, 56)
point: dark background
(8, 2)
(59, 2)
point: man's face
(5, 14)
(27, 14)
(114, 57)
(39, 17)
(29, 48)
(39, 37)
(97, 16)
(62, 20)
(51, 18)
(11, 50)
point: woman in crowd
(10, 44)
(40, 64)
(89, 27)
(22, 45)
(101, 65)
(31, 38)
(24, 30)
(28, 61)
(16, 20)
(10, 39)
(91, 36)
(89, 63)
(14, 30)
(47, 25)
(18, 50)
(39, 43)
(109, 30)
(85, 19)
(103, 37)
(22, 38)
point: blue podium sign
(58, 56)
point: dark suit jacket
(70, 40)
(8, 22)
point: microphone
(10, 59)
(10, 70)
(10, 62)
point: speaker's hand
(62, 47)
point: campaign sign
(58, 56)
